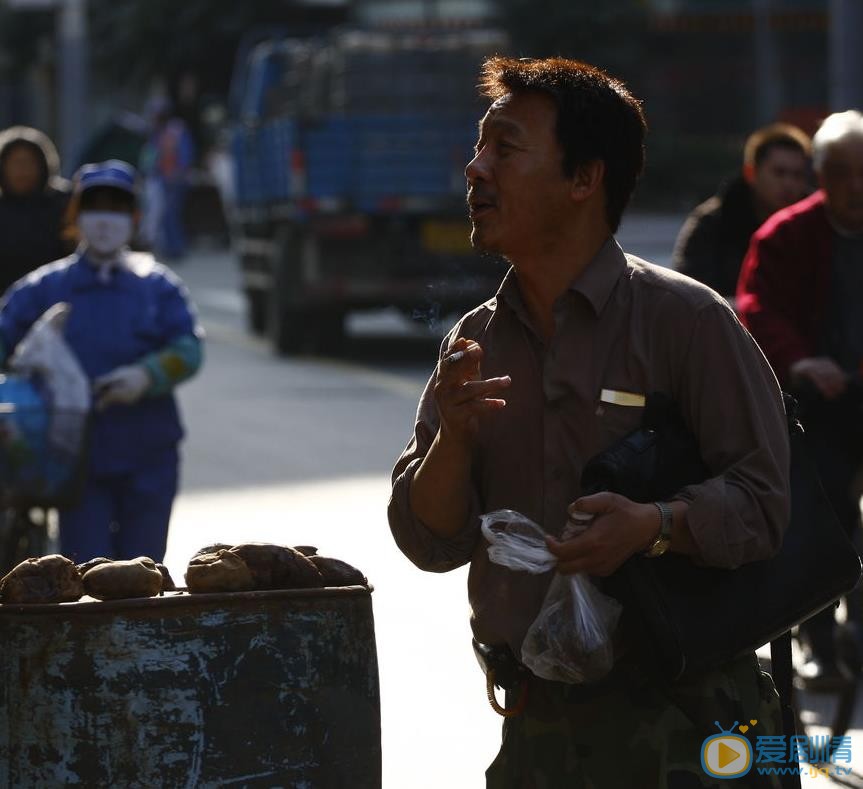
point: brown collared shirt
(623, 325)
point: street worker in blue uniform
(135, 333)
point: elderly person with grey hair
(800, 294)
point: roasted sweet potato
(48, 579)
(122, 579)
(221, 571)
(277, 566)
(212, 548)
(335, 572)
(84, 566)
(168, 584)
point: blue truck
(349, 154)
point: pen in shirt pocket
(618, 397)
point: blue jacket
(141, 309)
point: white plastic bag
(570, 639)
(44, 353)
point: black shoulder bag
(686, 618)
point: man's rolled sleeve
(733, 403)
(424, 548)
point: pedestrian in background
(33, 202)
(136, 336)
(800, 295)
(166, 160)
(555, 369)
(713, 241)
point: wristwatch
(663, 540)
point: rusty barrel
(247, 689)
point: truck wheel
(328, 327)
(256, 311)
(285, 326)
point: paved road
(299, 451)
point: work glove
(124, 385)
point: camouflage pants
(632, 732)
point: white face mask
(105, 232)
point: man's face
(781, 178)
(517, 193)
(841, 177)
(22, 170)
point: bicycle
(42, 462)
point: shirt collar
(600, 275)
(87, 275)
(508, 291)
(595, 283)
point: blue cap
(115, 173)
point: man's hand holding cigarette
(440, 490)
(462, 395)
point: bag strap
(783, 677)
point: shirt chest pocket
(616, 421)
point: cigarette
(455, 357)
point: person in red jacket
(799, 294)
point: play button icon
(726, 755)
